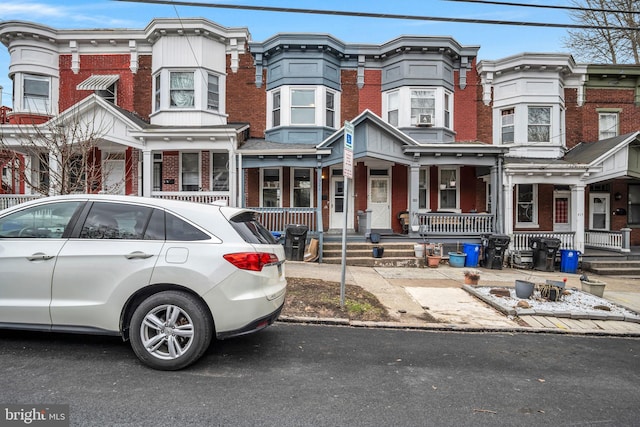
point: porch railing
(521, 240)
(8, 200)
(196, 196)
(455, 224)
(608, 240)
(276, 219)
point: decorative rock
(602, 307)
(501, 292)
(523, 304)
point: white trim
(199, 169)
(534, 207)
(279, 169)
(292, 186)
(449, 187)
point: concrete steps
(612, 267)
(396, 254)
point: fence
(276, 219)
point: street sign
(347, 167)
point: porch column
(147, 172)
(233, 179)
(577, 215)
(414, 195)
(240, 194)
(508, 206)
(54, 171)
(319, 222)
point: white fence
(453, 224)
(276, 219)
(521, 241)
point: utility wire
(547, 6)
(379, 15)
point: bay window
(392, 110)
(507, 126)
(330, 110)
(303, 106)
(213, 92)
(275, 110)
(423, 101)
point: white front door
(339, 203)
(562, 211)
(599, 211)
(379, 202)
(113, 172)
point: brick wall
(246, 102)
(349, 107)
(466, 106)
(143, 88)
(608, 98)
(370, 94)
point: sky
(495, 41)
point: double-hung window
(158, 92)
(607, 125)
(392, 108)
(303, 106)
(190, 171)
(276, 108)
(526, 209)
(302, 188)
(36, 94)
(423, 189)
(539, 124)
(213, 92)
(448, 189)
(271, 189)
(423, 106)
(220, 162)
(507, 126)
(330, 109)
(182, 89)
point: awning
(98, 82)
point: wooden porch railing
(608, 240)
(195, 196)
(453, 224)
(276, 219)
(8, 200)
(521, 240)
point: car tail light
(253, 261)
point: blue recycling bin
(569, 260)
(473, 254)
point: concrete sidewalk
(409, 293)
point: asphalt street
(307, 375)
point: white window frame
(393, 108)
(415, 110)
(213, 171)
(279, 187)
(215, 106)
(533, 203)
(35, 103)
(612, 130)
(507, 120)
(313, 107)
(157, 92)
(533, 124)
(330, 111)
(199, 168)
(192, 90)
(293, 187)
(444, 178)
(276, 108)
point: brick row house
(445, 146)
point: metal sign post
(347, 173)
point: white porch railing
(608, 240)
(8, 200)
(276, 219)
(195, 196)
(521, 240)
(453, 224)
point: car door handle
(138, 255)
(40, 257)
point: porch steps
(613, 267)
(396, 254)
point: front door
(599, 211)
(339, 202)
(379, 202)
(561, 211)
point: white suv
(167, 275)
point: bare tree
(62, 155)
(601, 45)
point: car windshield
(251, 230)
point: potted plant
(594, 287)
(434, 255)
(471, 277)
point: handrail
(439, 223)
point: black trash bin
(294, 242)
(494, 247)
(544, 252)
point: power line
(547, 6)
(379, 15)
